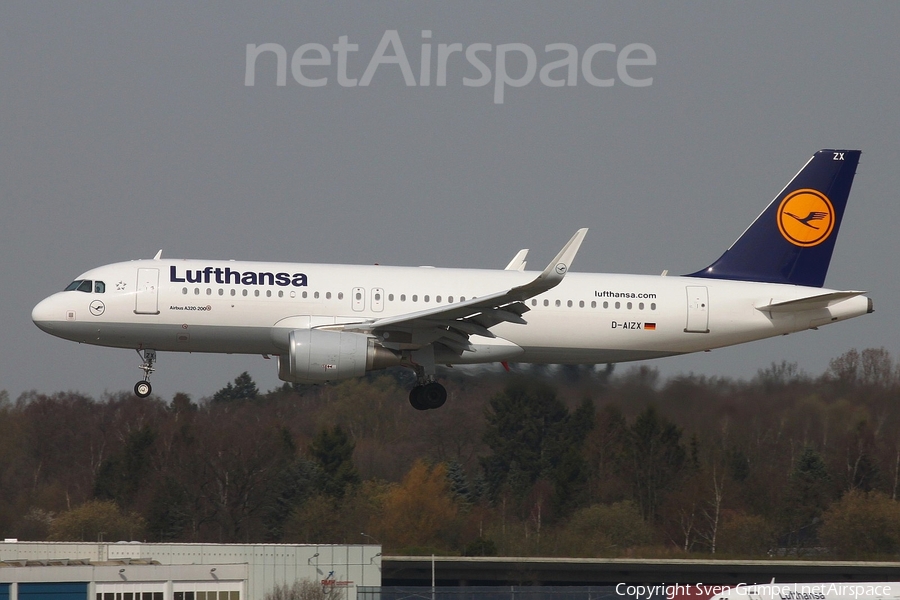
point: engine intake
(316, 356)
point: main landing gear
(142, 388)
(427, 395)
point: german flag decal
(650, 326)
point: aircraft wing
(452, 324)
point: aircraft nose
(45, 313)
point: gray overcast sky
(126, 127)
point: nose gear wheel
(143, 388)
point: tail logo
(806, 218)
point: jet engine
(316, 356)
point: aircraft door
(697, 309)
(377, 299)
(359, 299)
(146, 300)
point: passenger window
(558, 303)
(328, 295)
(605, 304)
(233, 291)
(581, 304)
(569, 304)
(196, 291)
(402, 297)
(426, 297)
(99, 287)
(415, 298)
(653, 306)
(268, 293)
(256, 293)
(184, 291)
(641, 305)
(438, 299)
(628, 305)
(244, 293)
(390, 297)
(533, 302)
(593, 304)
(340, 295)
(546, 303)
(221, 292)
(281, 293)
(450, 299)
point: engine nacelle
(316, 356)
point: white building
(136, 571)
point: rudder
(793, 239)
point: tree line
(552, 461)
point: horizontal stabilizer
(810, 303)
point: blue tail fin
(792, 240)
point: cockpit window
(82, 285)
(99, 287)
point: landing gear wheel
(415, 398)
(428, 396)
(434, 395)
(142, 389)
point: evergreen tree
(526, 424)
(169, 512)
(244, 388)
(290, 487)
(332, 450)
(653, 459)
(459, 483)
(120, 476)
(809, 492)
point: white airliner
(328, 322)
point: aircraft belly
(175, 338)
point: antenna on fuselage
(158, 255)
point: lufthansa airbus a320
(329, 322)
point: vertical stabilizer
(793, 239)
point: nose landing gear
(143, 388)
